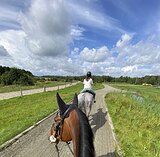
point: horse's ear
(61, 104)
(75, 100)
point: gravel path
(31, 91)
(35, 142)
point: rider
(88, 82)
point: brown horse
(71, 124)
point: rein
(60, 125)
(63, 116)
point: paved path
(35, 143)
(31, 91)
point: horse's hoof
(52, 139)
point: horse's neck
(86, 146)
(75, 131)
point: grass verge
(137, 123)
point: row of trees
(9, 76)
(154, 80)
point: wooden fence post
(44, 88)
(21, 91)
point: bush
(16, 76)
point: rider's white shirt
(88, 84)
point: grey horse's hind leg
(88, 108)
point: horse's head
(60, 129)
(72, 124)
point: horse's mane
(86, 136)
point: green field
(17, 114)
(136, 118)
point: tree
(16, 76)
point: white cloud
(93, 55)
(77, 32)
(14, 42)
(75, 53)
(42, 45)
(128, 68)
(139, 53)
(21, 57)
(47, 26)
(125, 39)
(140, 58)
(85, 15)
(40, 42)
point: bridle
(59, 127)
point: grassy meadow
(17, 114)
(136, 119)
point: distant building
(146, 84)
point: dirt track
(32, 91)
(35, 142)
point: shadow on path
(109, 155)
(98, 119)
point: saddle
(88, 91)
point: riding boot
(94, 95)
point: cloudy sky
(71, 37)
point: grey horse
(85, 102)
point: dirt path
(31, 91)
(35, 142)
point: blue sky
(58, 37)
